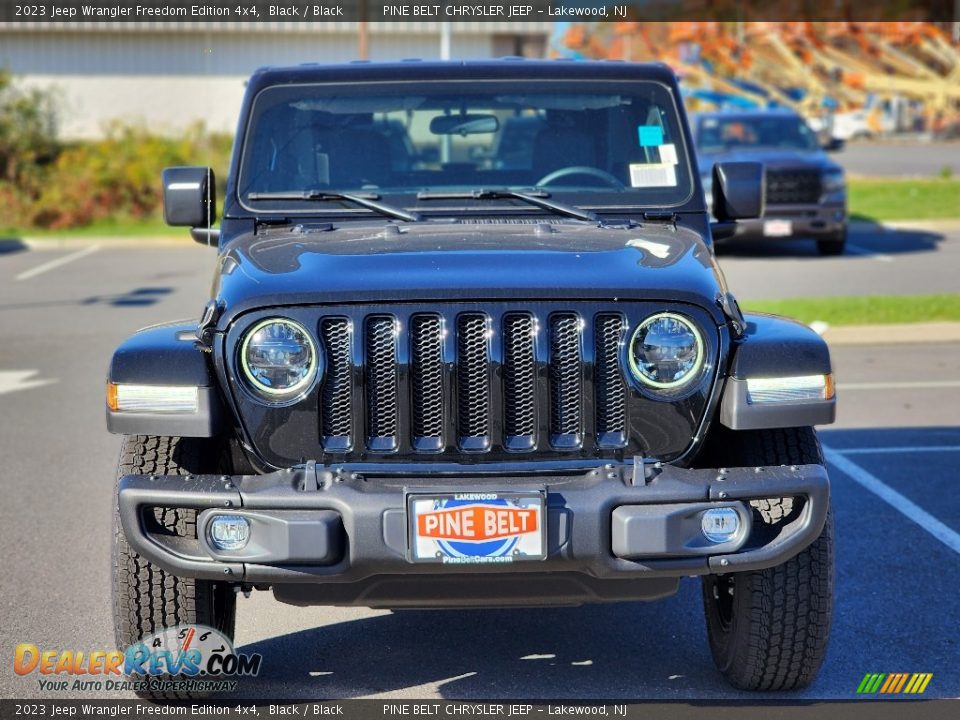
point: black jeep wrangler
(432, 376)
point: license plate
(476, 528)
(778, 228)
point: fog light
(720, 525)
(229, 532)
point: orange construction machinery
(867, 77)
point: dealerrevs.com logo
(185, 658)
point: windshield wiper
(536, 198)
(368, 201)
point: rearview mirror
(738, 190)
(189, 197)
(464, 124)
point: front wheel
(768, 629)
(146, 598)
(836, 244)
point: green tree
(28, 129)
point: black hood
(461, 260)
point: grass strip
(892, 199)
(865, 309)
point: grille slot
(335, 415)
(566, 386)
(381, 383)
(473, 381)
(793, 186)
(519, 381)
(426, 379)
(611, 403)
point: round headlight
(666, 351)
(279, 358)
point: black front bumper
(616, 532)
(816, 221)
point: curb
(893, 334)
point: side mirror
(738, 190)
(189, 196)
(834, 144)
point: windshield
(769, 131)
(598, 144)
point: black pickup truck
(429, 376)
(806, 191)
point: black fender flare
(774, 346)
(166, 354)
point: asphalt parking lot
(879, 260)
(894, 457)
(898, 158)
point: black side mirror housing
(738, 190)
(189, 197)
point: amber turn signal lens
(828, 388)
(112, 396)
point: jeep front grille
(796, 186)
(472, 381)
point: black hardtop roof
(502, 69)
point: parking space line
(898, 450)
(900, 385)
(898, 502)
(857, 250)
(13, 380)
(39, 269)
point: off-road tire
(146, 598)
(834, 245)
(768, 629)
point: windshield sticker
(650, 135)
(668, 154)
(653, 175)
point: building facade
(169, 75)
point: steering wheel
(563, 172)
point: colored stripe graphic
(891, 680)
(903, 681)
(894, 683)
(870, 683)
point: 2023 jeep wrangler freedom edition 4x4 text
(468, 345)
